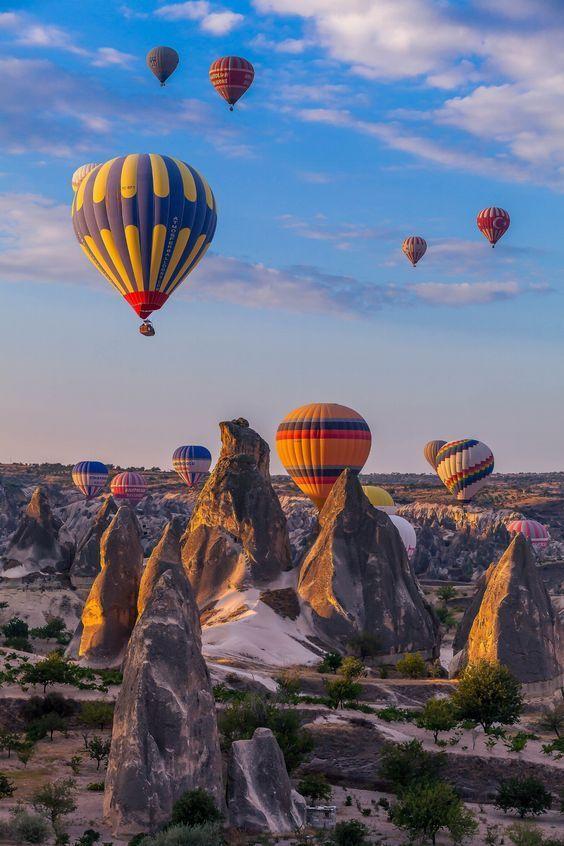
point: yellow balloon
(379, 498)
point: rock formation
(165, 556)
(357, 578)
(165, 738)
(111, 608)
(512, 620)
(35, 547)
(86, 563)
(259, 793)
(237, 534)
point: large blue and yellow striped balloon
(144, 221)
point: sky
(368, 121)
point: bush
(487, 693)
(51, 630)
(349, 833)
(525, 795)
(182, 835)
(26, 827)
(88, 838)
(110, 676)
(331, 663)
(315, 787)
(428, 807)
(6, 787)
(46, 725)
(391, 714)
(403, 764)
(352, 668)
(438, 715)
(16, 627)
(196, 807)
(524, 834)
(289, 684)
(38, 706)
(20, 643)
(412, 666)
(95, 786)
(341, 690)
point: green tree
(352, 668)
(6, 787)
(349, 833)
(8, 741)
(55, 800)
(446, 592)
(428, 807)
(54, 669)
(438, 715)
(341, 690)
(404, 764)
(99, 750)
(95, 715)
(527, 796)
(331, 663)
(195, 807)
(446, 617)
(552, 719)
(315, 787)
(412, 666)
(487, 693)
(25, 752)
(16, 628)
(525, 834)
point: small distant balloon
(414, 248)
(128, 488)
(81, 172)
(231, 76)
(493, 223)
(162, 61)
(430, 451)
(191, 462)
(379, 498)
(464, 466)
(532, 530)
(407, 534)
(90, 477)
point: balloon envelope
(414, 248)
(317, 441)
(407, 534)
(231, 76)
(191, 462)
(80, 173)
(162, 61)
(90, 477)
(430, 451)
(128, 487)
(493, 223)
(531, 529)
(144, 221)
(464, 466)
(379, 498)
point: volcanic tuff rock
(111, 608)
(165, 556)
(237, 535)
(86, 564)
(512, 620)
(35, 546)
(165, 739)
(357, 578)
(259, 792)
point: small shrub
(6, 787)
(95, 786)
(524, 834)
(315, 787)
(395, 715)
(88, 838)
(20, 643)
(182, 835)
(26, 827)
(16, 627)
(405, 764)
(349, 833)
(196, 807)
(412, 666)
(331, 663)
(525, 795)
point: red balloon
(128, 487)
(231, 76)
(493, 222)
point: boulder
(357, 577)
(237, 536)
(512, 620)
(165, 739)
(86, 564)
(111, 608)
(259, 792)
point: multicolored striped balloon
(464, 466)
(407, 534)
(431, 450)
(414, 248)
(144, 221)
(534, 531)
(128, 488)
(231, 76)
(191, 462)
(317, 441)
(90, 477)
(493, 223)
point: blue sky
(367, 122)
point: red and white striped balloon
(414, 247)
(128, 488)
(533, 531)
(493, 223)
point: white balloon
(407, 534)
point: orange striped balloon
(316, 442)
(414, 247)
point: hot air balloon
(144, 221)
(90, 477)
(407, 534)
(231, 76)
(534, 531)
(162, 61)
(317, 441)
(464, 466)
(414, 248)
(128, 488)
(430, 451)
(80, 173)
(379, 498)
(191, 462)
(493, 223)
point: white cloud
(220, 23)
(292, 46)
(109, 56)
(465, 293)
(193, 10)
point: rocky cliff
(165, 738)
(165, 556)
(512, 620)
(237, 535)
(357, 578)
(86, 563)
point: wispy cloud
(213, 21)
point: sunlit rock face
(512, 620)
(111, 608)
(86, 564)
(357, 578)
(165, 556)
(35, 547)
(237, 535)
(165, 739)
